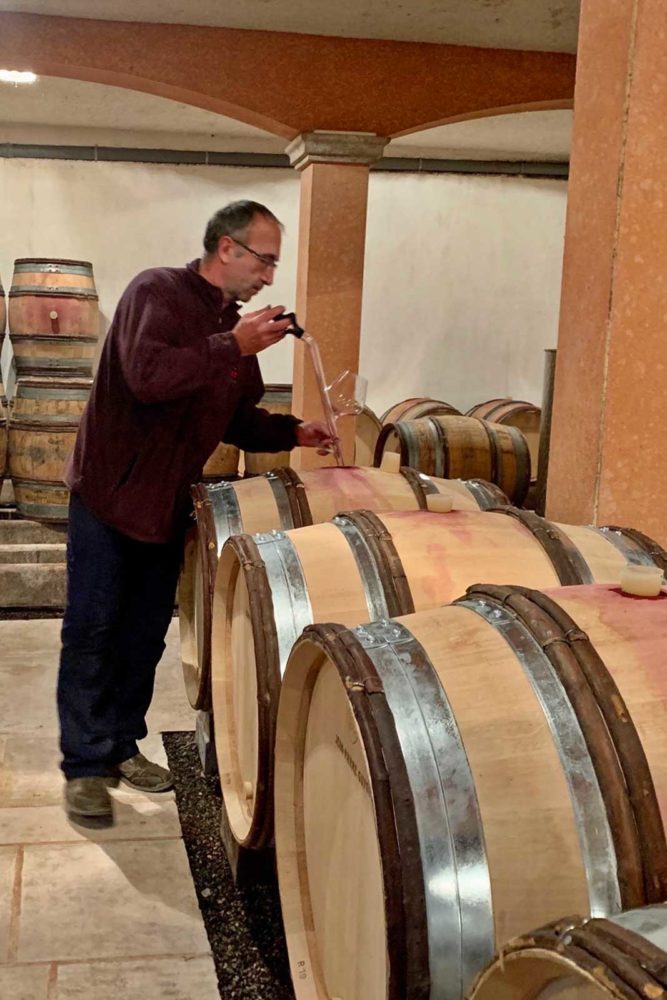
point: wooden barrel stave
(30, 315)
(518, 413)
(428, 559)
(43, 425)
(282, 500)
(49, 272)
(53, 356)
(514, 797)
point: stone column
(608, 445)
(334, 170)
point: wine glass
(347, 394)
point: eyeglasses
(261, 257)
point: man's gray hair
(233, 220)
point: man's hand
(315, 434)
(255, 331)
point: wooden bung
(642, 581)
(439, 504)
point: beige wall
(462, 277)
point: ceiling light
(16, 76)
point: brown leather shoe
(88, 803)
(138, 772)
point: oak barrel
(361, 567)
(623, 956)
(417, 406)
(43, 423)
(3, 432)
(516, 413)
(461, 447)
(276, 399)
(53, 316)
(283, 499)
(446, 779)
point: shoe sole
(101, 822)
(158, 789)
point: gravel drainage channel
(243, 923)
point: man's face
(249, 261)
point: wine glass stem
(324, 396)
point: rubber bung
(439, 503)
(641, 581)
(391, 462)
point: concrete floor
(100, 915)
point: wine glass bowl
(347, 394)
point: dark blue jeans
(119, 604)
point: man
(178, 373)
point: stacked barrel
(53, 328)
(440, 764)
(497, 440)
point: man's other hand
(315, 434)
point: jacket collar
(208, 291)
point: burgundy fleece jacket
(171, 384)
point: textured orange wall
(609, 449)
(288, 83)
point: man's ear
(225, 248)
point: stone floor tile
(138, 817)
(175, 978)
(31, 794)
(28, 672)
(30, 772)
(117, 899)
(8, 856)
(24, 982)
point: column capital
(335, 147)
